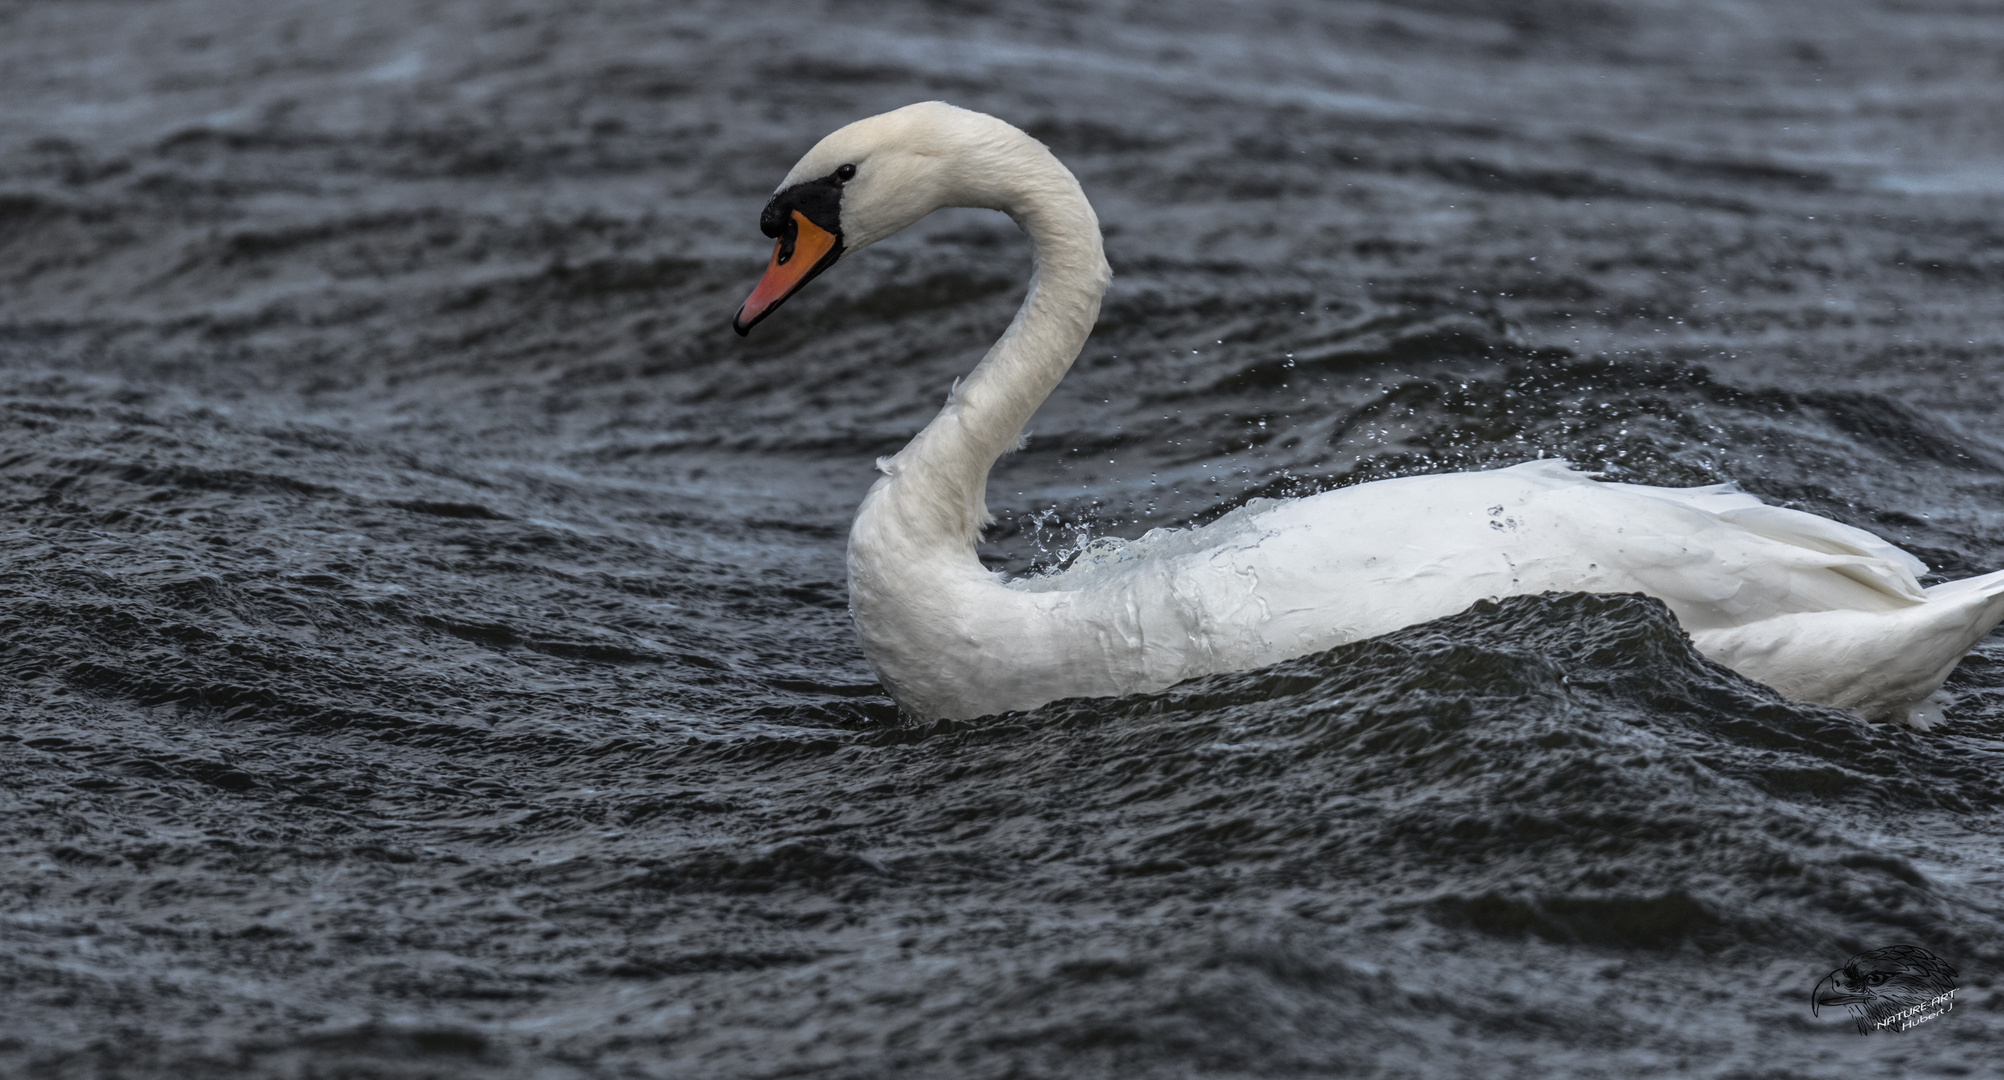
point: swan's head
(873, 178)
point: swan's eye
(845, 174)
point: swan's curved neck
(932, 497)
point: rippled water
(425, 650)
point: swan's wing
(1359, 561)
(1716, 554)
(1820, 610)
(1855, 553)
(1795, 527)
(1722, 558)
(1867, 558)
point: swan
(1820, 611)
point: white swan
(1820, 611)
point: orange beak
(805, 250)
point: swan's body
(1821, 611)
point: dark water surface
(424, 639)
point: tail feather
(1967, 610)
(1982, 586)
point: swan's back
(1426, 546)
(1278, 579)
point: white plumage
(1820, 611)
